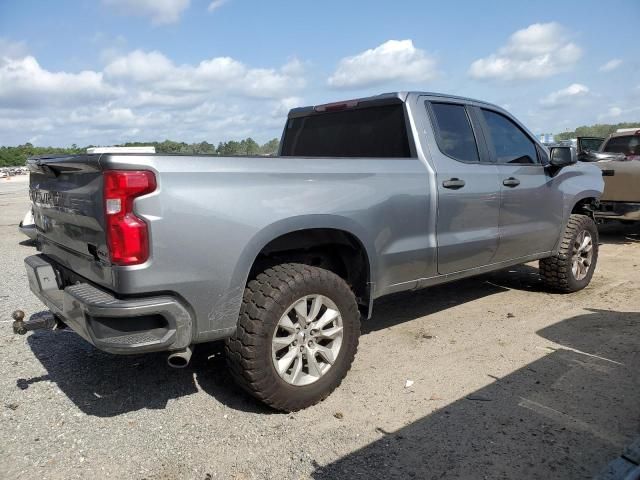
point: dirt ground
(509, 381)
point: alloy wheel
(307, 340)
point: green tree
(249, 147)
(597, 130)
(12, 156)
(271, 147)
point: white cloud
(272, 83)
(102, 117)
(216, 4)
(611, 65)
(621, 114)
(393, 61)
(539, 51)
(145, 96)
(565, 96)
(160, 11)
(283, 106)
(10, 49)
(24, 83)
(219, 72)
(215, 75)
(140, 66)
(22, 123)
(612, 112)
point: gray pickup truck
(281, 257)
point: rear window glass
(455, 136)
(628, 144)
(364, 132)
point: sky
(104, 72)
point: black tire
(265, 300)
(557, 271)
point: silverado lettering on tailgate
(45, 198)
(62, 201)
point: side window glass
(454, 133)
(510, 143)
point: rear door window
(510, 144)
(378, 131)
(454, 133)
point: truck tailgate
(66, 195)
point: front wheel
(297, 336)
(573, 265)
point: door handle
(453, 183)
(511, 182)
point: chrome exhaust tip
(180, 358)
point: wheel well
(586, 206)
(335, 250)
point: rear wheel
(573, 265)
(297, 336)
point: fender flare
(569, 206)
(306, 222)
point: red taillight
(127, 235)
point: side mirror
(562, 157)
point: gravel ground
(509, 381)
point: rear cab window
(510, 144)
(369, 131)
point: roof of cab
(627, 133)
(385, 98)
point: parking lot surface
(509, 381)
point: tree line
(597, 130)
(14, 156)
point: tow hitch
(46, 321)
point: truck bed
(210, 215)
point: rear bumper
(116, 326)
(28, 230)
(618, 211)
(28, 226)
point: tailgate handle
(608, 172)
(93, 250)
